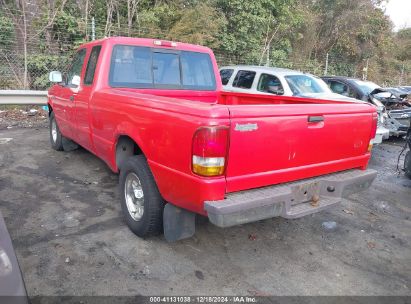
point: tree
(200, 24)
(289, 33)
(253, 26)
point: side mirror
(75, 81)
(55, 76)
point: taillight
(210, 146)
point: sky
(400, 13)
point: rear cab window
(244, 79)
(91, 65)
(146, 67)
(225, 75)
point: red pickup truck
(154, 111)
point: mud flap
(178, 223)
(68, 145)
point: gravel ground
(23, 117)
(63, 213)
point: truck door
(70, 90)
(82, 101)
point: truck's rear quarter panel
(163, 128)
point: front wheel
(56, 139)
(141, 202)
(407, 164)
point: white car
(278, 81)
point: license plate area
(303, 193)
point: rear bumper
(291, 200)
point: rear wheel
(141, 202)
(56, 139)
(407, 164)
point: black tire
(151, 222)
(57, 140)
(407, 164)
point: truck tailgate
(271, 144)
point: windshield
(366, 87)
(303, 84)
(144, 67)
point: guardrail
(23, 97)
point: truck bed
(271, 140)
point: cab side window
(91, 65)
(244, 79)
(270, 84)
(341, 88)
(226, 75)
(75, 69)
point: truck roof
(148, 42)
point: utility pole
(401, 75)
(93, 29)
(86, 20)
(25, 44)
(268, 56)
(365, 71)
(326, 66)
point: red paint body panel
(283, 147)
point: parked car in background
(406, 89)
(286, 82)
(275, 81)
(396, 113)
(397, 104)
(154, 111)
(399, 93)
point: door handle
(315, 118)
(72, 98)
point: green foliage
(40, 65)
(287, 33)
(200, 24)
(403, 45)
(258, 21)
(7, 34)
(66, 29)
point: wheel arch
(125, 147)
